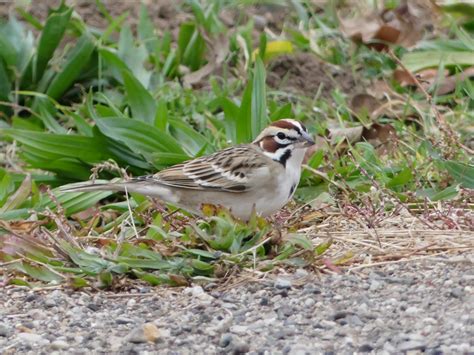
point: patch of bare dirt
(304, 73)
(165, 14)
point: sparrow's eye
(281, 135)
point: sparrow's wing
(236, 169)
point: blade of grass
(142, 103)
(259, 99)
(77, 60)
(51, 35)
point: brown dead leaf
(382, 137)
(21, 226)
(403, 26)
(361, 29)
(220, 49)
(350, 134)
(365, 104)
(178, 280)
(428, 78)
(382, 133)
(16, 244)
(449, 84)
(85, 214)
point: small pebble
(412, 310)
(59, 345)
(225, 340)
(32, 338)
(281, 283)
(411, 345)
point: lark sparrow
(261, 175)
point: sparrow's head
(282, 137)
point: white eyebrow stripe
(298, 124)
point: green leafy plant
(76, 101)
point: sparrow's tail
(154, 189)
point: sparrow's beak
(305, 140)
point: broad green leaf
(202, 265)
(19, 282)
(106, 279)
(191, 140)
(5, 85)
(76, 61)
(314, 162)
(152, 279)
(115, 64)
(259, 99)
(309, 193)
(7, 186)
(443, 195)
(78, 282)
(22, 213)
(32, 20)
(81, 124)
(231, 114)
(36, 272)
(27, 124)
(51, 35)
(122, 154)
(152, 264)
(285, 111)
(146, 30)
(141, 101)
(464, 7)
(161, 117)
(107, 109)
(170, 64)
(70, 168)
(21, 41)
(138, 136)
(262, 47)
(113, 26)
(20, 195)
(301, 241)
(402, 178)
(56, 146)
(165, 159)
(133, 56)
(198, 12)
(74, 202)
(201, 253)
(446, 194)
(415, 61)
(133, 251)
(7, 48)
(48, 113)
(462, 173)
(244, 122)
(89, 263)
(191, 46)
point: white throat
(295, 161)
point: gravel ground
(409, 307)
